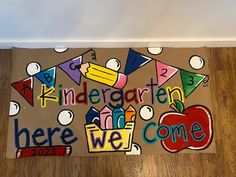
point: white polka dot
(196, 62)
(113, 64)
(146, 112)
(33, 68)
(65, 117)
(155, 50)
(60, 50)
(135, 150)
(14, 108)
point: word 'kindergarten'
(92, 96)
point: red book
(44, 151)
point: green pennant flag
(190, 81)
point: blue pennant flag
(134, 61)
(47, 77)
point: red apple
(195, 121)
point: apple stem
(173, 106)
(178, 106)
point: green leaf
(179, 105)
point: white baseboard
(118, 43)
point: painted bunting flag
(47, 77)
(110, 101)
(135, 61)
(190, 81)
(164, 72)
(72, 67)
(25, 89)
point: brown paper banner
(114, 101)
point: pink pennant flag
(164, 72)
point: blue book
(92, 116)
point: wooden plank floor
(223, 163)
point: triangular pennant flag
(25, 88)
(190, 81)
(71, 68)
(164, 72)
(134, 61)
(47, 77)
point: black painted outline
(206, 81)
(94, 55)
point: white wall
(91, 23)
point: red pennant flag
(25, 88)
(164, 72)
